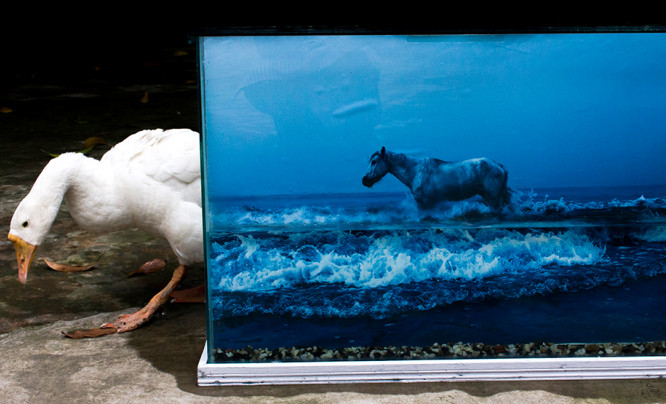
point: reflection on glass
(388, 197)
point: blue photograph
(383, 191)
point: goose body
(150, 181)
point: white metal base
(427, 370)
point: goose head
(29, 226)
(34, 216)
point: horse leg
(494, 190)
(504, 194)
(493, 201)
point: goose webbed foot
(129, 322)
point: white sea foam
(372, 260)
(400, 209)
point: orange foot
(129, 322)
(193, 295)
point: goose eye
(25, 224)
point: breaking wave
(398, 209)
(381, 260)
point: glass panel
(520, 210)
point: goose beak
(25, 253)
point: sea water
(370, 269)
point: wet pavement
(53, 108)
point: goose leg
(129, 322)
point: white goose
(151, 181)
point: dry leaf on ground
(91, 333)
(67, 268)
(149, 267)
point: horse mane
(392, 157)
(400, 158)
(439, 161)
(395, 158)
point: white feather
(151, 181)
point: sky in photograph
(302, 114)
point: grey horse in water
(433, 181)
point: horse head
(377, 169)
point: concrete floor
(54, 111)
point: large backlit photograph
(374, 197)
